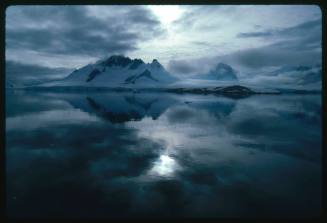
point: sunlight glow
(165, 166)
(166, 13)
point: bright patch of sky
(72, 36)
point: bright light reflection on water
(124, 154)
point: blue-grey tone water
(162, 155)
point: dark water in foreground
(127, 155)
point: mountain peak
(117, 56)
(136, 63)
(221, 72)
(118, 70)
(117, 60)
(223, 67)
(225, 72)
(155, 63)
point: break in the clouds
(186, 39)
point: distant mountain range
(120, 72)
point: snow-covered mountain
(128, 74)
(222, 72)
(118, 71)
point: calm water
(127, 155)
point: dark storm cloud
(273, 56)
(254, 34)
(180, 67)
(16, 68)
(18, 73)
(302, 30)
(191, 67)
(72, 30)
(297, 45)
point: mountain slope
(119, 71)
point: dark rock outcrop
(234, 91)
(134, 78)
(92, 75)
(135, 64)
(155, 63)
(222, 72)
(117, 60)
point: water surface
(162, 155)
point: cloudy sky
(185, 39)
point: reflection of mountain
(111, 116)
(145, 105)
(220, 108)
(247, 146)
(119, 108)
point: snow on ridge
(117, 71)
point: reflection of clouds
(79, 162)
(198, 136)
(22, 102)
(288, 125)
(215, 150)
(282, 103)
(211, 157)
(46, 118)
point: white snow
(116, 76)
